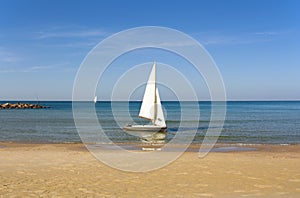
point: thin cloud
(230, 40)
(71, 37)
(177, 44)
(71, 34)
(266, 33)
(8, 57)
(37, 68)
(208, 38)
(79, 44)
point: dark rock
(21, 106)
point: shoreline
(130, 143)
(194, 147)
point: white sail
(95, 99)
(148, 104)
(160, 119)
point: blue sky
(255, 44)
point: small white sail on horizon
(95, 99)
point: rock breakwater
(21, 106)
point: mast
(155, 97)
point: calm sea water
(246, 122)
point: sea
(246, 122)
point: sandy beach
(69, 170)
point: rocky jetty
(21, 106)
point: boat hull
(146, 132)
(145, 128)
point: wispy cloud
(70, 36)
(57, 33)
(178, 44)
(79, 44)
(37, 68)
(7, 56)
(209, 38)
(266, 33)
(231, 40)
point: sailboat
(151, 108)
(95, 99)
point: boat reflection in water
(149, 136)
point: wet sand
(69, 170)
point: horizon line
(233, 100)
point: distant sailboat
(151, 108)
(95, 99)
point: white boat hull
(146, 132)
(145, 128)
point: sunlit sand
(68, 170)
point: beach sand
(69, 170)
